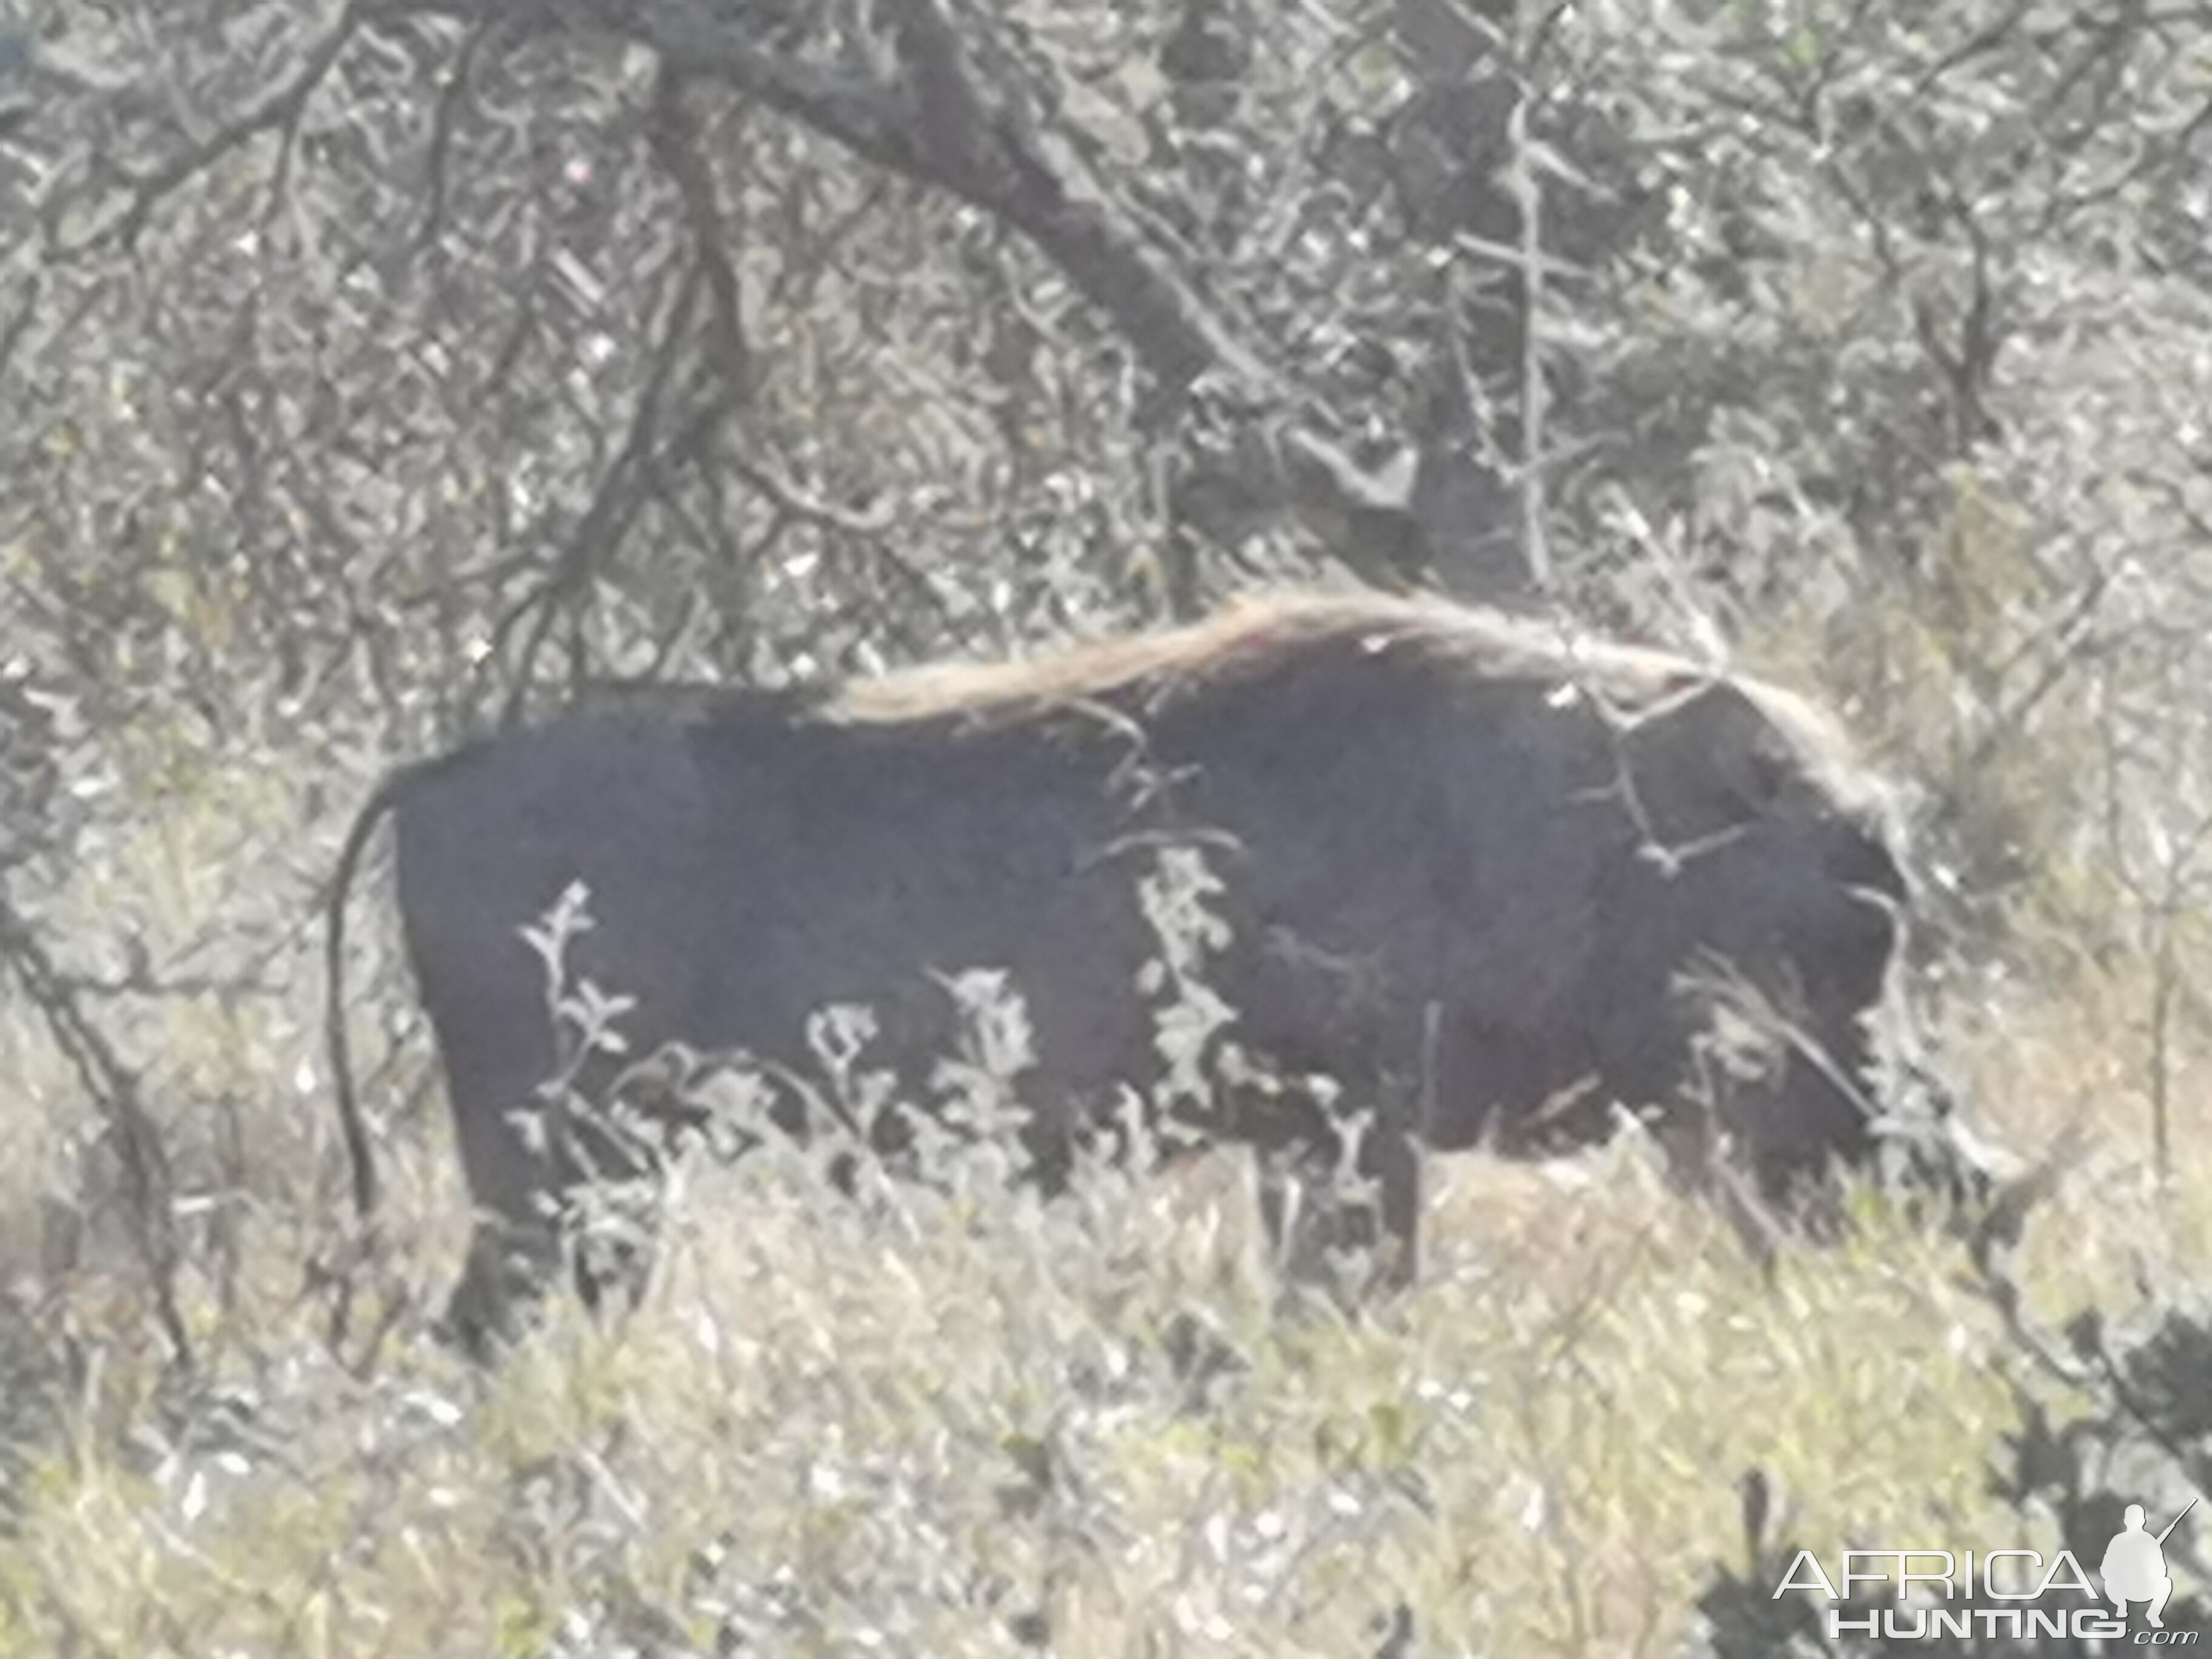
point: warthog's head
(1762, 889)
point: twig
(1528, 194)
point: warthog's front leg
(1349, 1194)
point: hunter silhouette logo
(2134, 1568)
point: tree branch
(939, 124)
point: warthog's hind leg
(508, 1266)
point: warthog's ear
(1709, 760)
(1753, 764)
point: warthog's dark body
(1470, 866)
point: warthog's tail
(358, 1152)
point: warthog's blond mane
(1257, 632)
(1251, 634)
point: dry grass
(843, 1436)
(976, 1424)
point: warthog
(1493, 880)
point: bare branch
(675, 139)
(441, 131)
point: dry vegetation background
(371, 372)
